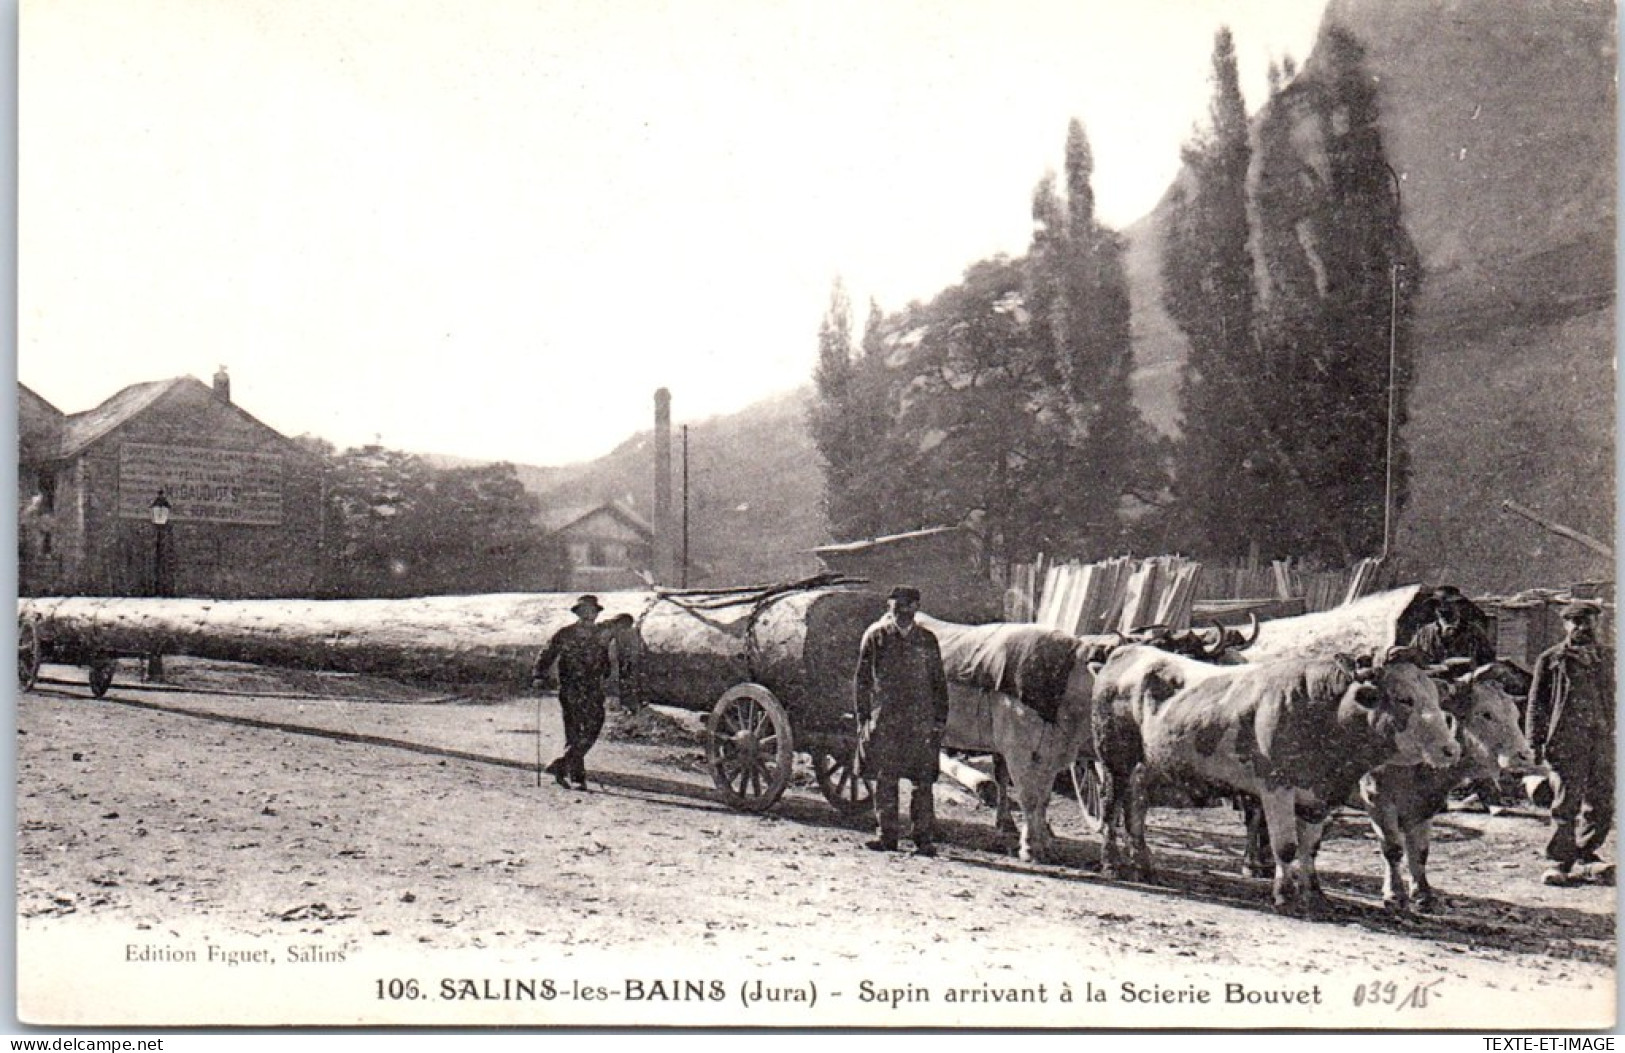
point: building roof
(39, 426)
(557, 520)
(30, 401)
(80, 430)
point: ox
(1403, 799)
(1297, 734)
(1021, 692)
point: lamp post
(1393, 384)
(160, 537)
(160, 586)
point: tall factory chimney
(663, 548)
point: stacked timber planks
(1093, 599)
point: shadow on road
(1187, 859)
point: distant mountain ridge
(755, 493)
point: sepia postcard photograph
(1061, 515)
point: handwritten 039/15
(1389, 993)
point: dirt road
(177, 865)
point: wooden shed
(945, 563)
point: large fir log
(1368, 626)
(798, 640)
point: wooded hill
(755, 490)
(1500, 118)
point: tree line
(395, 525)
(1006, 401)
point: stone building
(244, 501)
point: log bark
(1369, 625)
(439, 639)
(973, 779)
(798, 641)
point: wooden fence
(1125, 593)
(1092, 598)
(1320, 589)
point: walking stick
(538, 738)
(1089, 817)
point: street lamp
(160, 536)
(160, 533)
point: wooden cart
(773, 669)
(771, 665)
(34, 649)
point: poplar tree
(832, 413)
(1079, 304)
(1208, 291)
(1338, 277)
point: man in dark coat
(1453, 633)
(901, 700)
(582, 651)
(1570, 724)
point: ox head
(1403, 702)
(1220, 646)
(1225, 645)
(1489, 721)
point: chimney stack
(222, 385)
(662, 555)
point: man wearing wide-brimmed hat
(1570, 724)
(901, 700)
(582, 650)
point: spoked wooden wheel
(749, 747)
(101, 675)
(841, 783)
(28, 654)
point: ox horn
(1253, 630)
(1218, 642)
(1402, 653)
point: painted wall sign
(203, 485)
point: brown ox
(1403, 799)
(1297, 734)
(1023, 693)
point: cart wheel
(749, 747)
(101, 675)
(838, 778)
(28, 654)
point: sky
(492, 228)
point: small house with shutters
(244, 502)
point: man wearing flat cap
(901, 700)
(582, 651)
(1570, 724)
